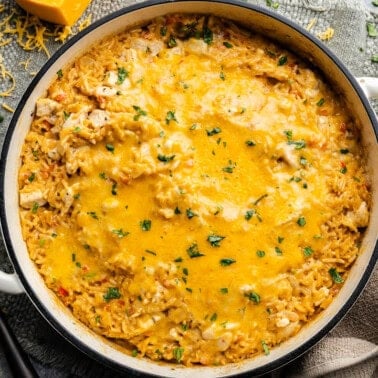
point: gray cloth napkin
(350, 349)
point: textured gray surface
(53, 356)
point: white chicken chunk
(28, 200)
(98, 118)
(47, 107)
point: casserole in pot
(195, 249)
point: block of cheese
(64, 12)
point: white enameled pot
(27, 279)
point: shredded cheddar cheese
(8, 108)
(327, 34)
(192, 191)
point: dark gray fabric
(55, 357)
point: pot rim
(6, 232)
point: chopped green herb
(163, 31)
(193, 127)
(190, 214)
(230, 167)
(289, 134)
(60, 74)
(98, 319)
(170, 117)
(272, 4)
(35, 207)
(249, 214)
(31, 178)
(178, 259)
(134, 352)
(193, 251)
(214, 317)
(78, 264)
(302, 160)
(224, 290)
(278, 251)
(112, 293)
(177, 210)
(227, 44)
(165, 158)
(92, 214)
(282, 60)
(265, 347)
(77, 129)
(73, 257)
(120, 233)
(320, 102)
(77, 196)
(66, 115)
(207, 35)
(215, 240)
(260, 253)
(227, 261)
(171, 41)
(150, 252)
(2, 119)
(253, 297)
(336, 278)
(343, 170)
(102, 175)
(280, 239)
(145, 225)
(375, 3)
(185, 271)
(215, 130)
(184, 327)
(114, 188)
(110, 147)
(140, 112)
(372, 31)
(122, 75)
(250, 143)
(178, 353)
(344, 151)
(298, 144)
(308, 251)
(54, 235)
(222, 76)
(301, 221)
(189, 289)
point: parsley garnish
(343, 170)
(265, 347)
(120, 233)
(92, 214)
(150, 252)
(114, 189)
(282, 60)
(250, 143)
(207, 36)
(227, 261)
(178, 353)
(278, 251)
(163, 31)
(227, 44)
(280, 239)
(301, 221)
(193, 251)
(320, 102)
(224, 290)
(145, 225)
(60, 74)
(372, 31)
(272, 4)
(171, 41)
(190, 214)
(214, 317)
(134, 352)
(31, 178)
(122, 75)
(165, 158)
(215, 240)
(140, 112)
(260, 253)
(336, 278)
(230, 167)
(344, 151)
(170, 117)
(253, 297)
(249, 214)
(110, 147)
(308, 251)
(112, 293)
(215, 130)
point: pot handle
(369, 86)
(9, 283)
